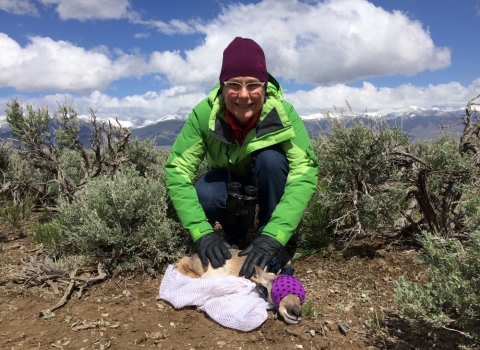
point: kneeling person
(251, 137)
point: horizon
(143, 59)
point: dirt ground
(349, 299)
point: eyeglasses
(237, 87)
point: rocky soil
(349, 305)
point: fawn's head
(285, 292)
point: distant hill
(417, 127)
(164, 132)
(417, 123)
(424, 124)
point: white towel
(229, 300)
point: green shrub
(315, 229)
(15, 213)
(51, 146)
(383, 208)
(309, 309)
(469, 209)
(143, 156)
(47, 234)
(5, 152)
(71, 162)
(20, 179)
(450, 296)
(358, 189)
(445, 186)
(123, 220)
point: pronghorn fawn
(285, 292)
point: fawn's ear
(262, 277)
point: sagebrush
(356, 175)
(122, 221)
(448, 297)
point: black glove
(212, 247)
(259, 252)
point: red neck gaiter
(240, 132)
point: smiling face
(244, 104)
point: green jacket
(207, 133)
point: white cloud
(151, 105)
(322, 43)
(45, 64)
(154, 105)
(381, 99)
(329, 42)
(173, 27)
(141, 35)
(325, 43)
(83, 10)
(19, 7)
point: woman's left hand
(259, 253)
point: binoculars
(241, 207)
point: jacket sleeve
(301, 181)
(188, 151)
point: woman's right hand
(213, 248)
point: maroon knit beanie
(243, 58)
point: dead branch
(96, 144)
(411, 156)
(102, 275)
(53, 285)
(457, 331)
(471, 129)
(66, 295)
(41, 151)
(84, 326)
(39, 272)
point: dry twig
(40, 272)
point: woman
(249, 135)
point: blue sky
(150, 58)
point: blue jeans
(271, 170)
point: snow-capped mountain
(435, 111)
(3, 123)
(416, 122)
(412, 111)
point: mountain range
(417, 123)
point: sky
(151, 58)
